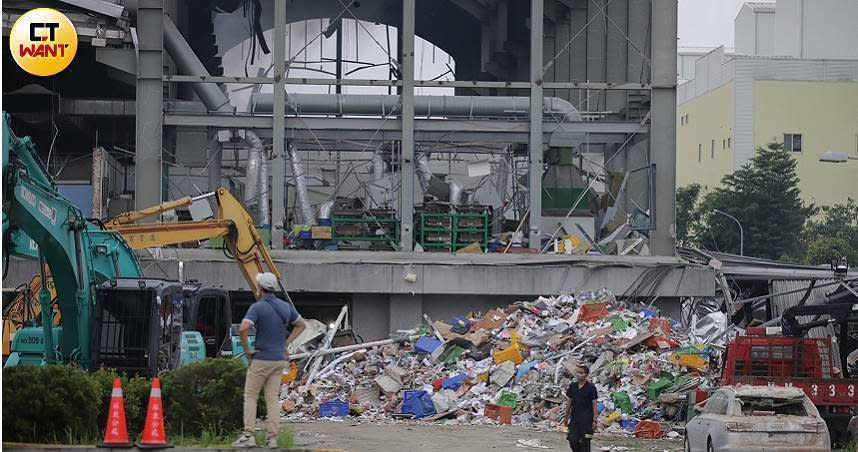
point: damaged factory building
(465, 199)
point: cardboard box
(321, 232)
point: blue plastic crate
(334, 408)
(427, 344)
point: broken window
(769, 406)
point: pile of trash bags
(512, 365)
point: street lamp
(741, 231)
(836, 157)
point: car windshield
(769, 406)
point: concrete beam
(663, 124)
(149, 121)
(536, 147)
(278, 155)
(406, 210)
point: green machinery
(355, 225)
(444, 231)
(86, 262)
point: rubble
(512, 365)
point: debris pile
(512, 366)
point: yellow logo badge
(43, 41)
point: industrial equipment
(209, 309)
(82, 257)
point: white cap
(267, 281)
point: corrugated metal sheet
(781, 303)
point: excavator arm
(79, 254)
(232, 222)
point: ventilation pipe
(325, 210)
(456, 190)
(303, 193)
(375, 191)
(367, 104)
(424, 172)
(256, 184)
(189, 64)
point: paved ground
(430, 438)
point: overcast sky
(708, 23)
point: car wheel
(709, 447)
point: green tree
(764, 196)
(836, 231)
(687, 213)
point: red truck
(805, 363)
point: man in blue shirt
(277, 325)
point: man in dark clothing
(581, 412)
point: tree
(686, 213)
(823, 251)
(764, 196)
(835, 234)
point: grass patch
(206, 439)
(284, 440)
(209, 439)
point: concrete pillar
(663, 126)
(278, 155)
(149, 121)
(406, 213)
(371, 316)
(536, 99)
(406, 311)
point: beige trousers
(267, 375)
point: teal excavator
(112, 315)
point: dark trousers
(580, 431)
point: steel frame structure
(660, 123)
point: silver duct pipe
(374, 190)
(214, 157)
(254, 185)
(377, 165)
(367, 104)
(456, 191)
(189, 64)
(303, 194)
(325, 210)
(424, 172)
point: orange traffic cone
(154, 436)
(116, 431)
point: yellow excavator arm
(232, 222)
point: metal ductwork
(256, 184)
(424, 172)
(325, 210)
(302, 193)
(382, 105)
(189, 64)
(456, 191)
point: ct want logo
(43, 41)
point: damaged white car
(757, 418)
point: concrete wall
(817, 28)
(826, 114)
(710, 120)
(755, 31)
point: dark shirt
(273, 319)
(582, 401)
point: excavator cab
(208, 312)
(138, 327)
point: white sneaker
(244, 441)
(272, 443)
